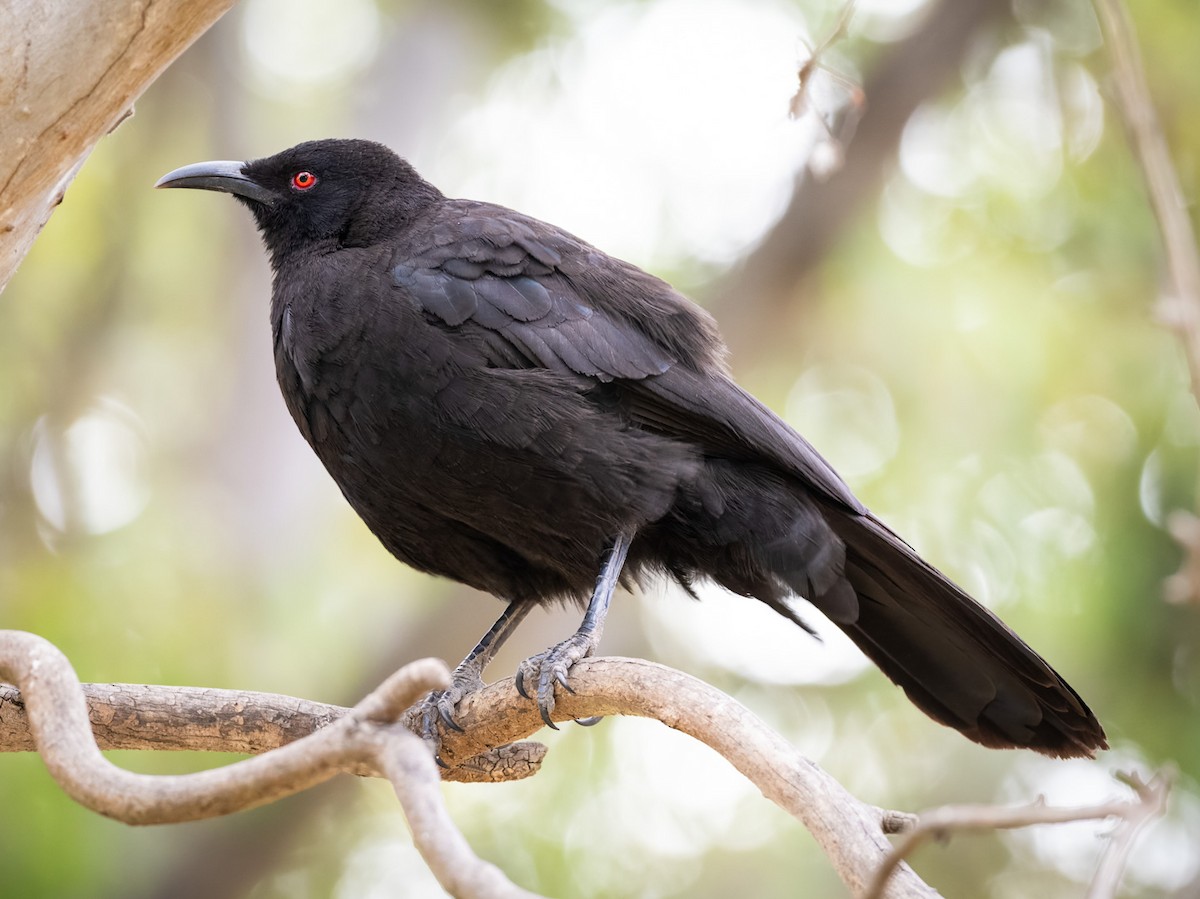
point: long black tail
(957, 661)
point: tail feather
(957, 662)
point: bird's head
(349, 192)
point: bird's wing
(503, 278)
(534, 296)
(708, 408)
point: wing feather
(499, 273)
(535, 296)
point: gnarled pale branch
(57, 715)
(850, 832)
(202, 719)
(305, 743)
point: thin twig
(1152, 803)
(804, 104)
(939, 823)
(764, 288)
(800, 102)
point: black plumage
(507, 406)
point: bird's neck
(383, 216)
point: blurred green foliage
(980, 355)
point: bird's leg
(468, 676)
(552, 666)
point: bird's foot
(440, 704)
(552, 667)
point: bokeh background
(966, 318)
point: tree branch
(201, 719)
(52, 711)
(303, 743)
(940, 823)
(1151, 803)
(68, 76)
(1167, 201)
(850, 832)
(56, 711)
(1181, 308)
(906, 75)
(408, 764)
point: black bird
(508, 406)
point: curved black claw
(528, 667)
(519, 681)
(552, 667)
(439, 706)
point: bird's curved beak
(223, 175)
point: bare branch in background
(941, 823)
(1151, 803)
(905, 75)
(68, 76)
(837, 120)
(1162, 183)
(1181, 307)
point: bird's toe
(549, 668)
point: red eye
(303, 180)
